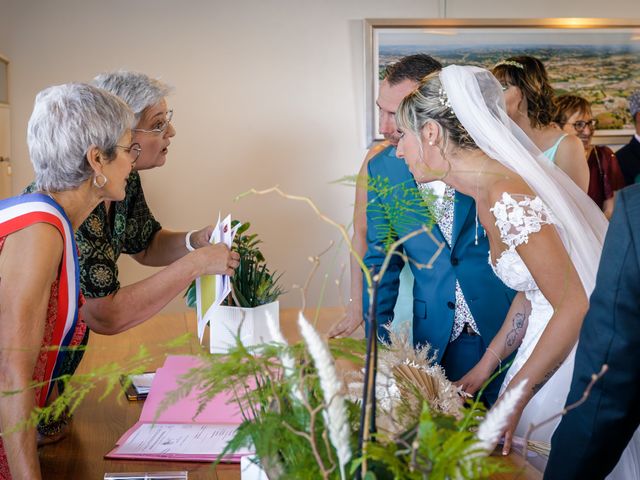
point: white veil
(477, 100)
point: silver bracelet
(187, 240)
(489, 349)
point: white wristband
(187, 240)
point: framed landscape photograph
(598, 59)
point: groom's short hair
(411, 67)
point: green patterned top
(101, 240)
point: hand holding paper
(211, 290)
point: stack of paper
(177, 433)
(211, 290)
(142, 382)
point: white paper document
(179, 439)
(211, 290)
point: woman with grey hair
(81, 147)
(545, 234)
(128, 226)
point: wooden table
(98, 424)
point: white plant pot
(224, 322)
(250, 470)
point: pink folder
(221, 410)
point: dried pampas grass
(490, 430)
(336, 410)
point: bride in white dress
(545, 234)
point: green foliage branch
(283, 413)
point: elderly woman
(82, 152)
(573, 114)
(529, 100)
(128, 226)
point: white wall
(267, 92)
(4, 26)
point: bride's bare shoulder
(514, 187)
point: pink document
(176, 433)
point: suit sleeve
(590, 438)
(380, 233)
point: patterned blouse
(128, 228)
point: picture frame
(596, 58)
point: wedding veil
(477, 100)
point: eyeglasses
(582, 124)
(133, 150)
(161, 125)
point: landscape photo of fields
(602, 65)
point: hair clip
(443, 98)
(509, 63)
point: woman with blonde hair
(545, 235)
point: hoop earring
(98, 184)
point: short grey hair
(66, 121)
(137, 89)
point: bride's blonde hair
(429, 102)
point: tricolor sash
(20, 212)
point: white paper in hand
(211, 290)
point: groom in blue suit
(590, 439)
(459, 322)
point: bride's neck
(473, 174)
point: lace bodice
(517, 217)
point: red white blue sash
(20, 212)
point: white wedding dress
(517, 217)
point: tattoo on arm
(536, 388)
(514, 334)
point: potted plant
(254, 294)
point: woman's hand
(201, 238)
(473, 380)
(514, 418)
(216, 259)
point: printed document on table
(211, 290)
(179, 439)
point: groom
(459, 304)
(590, 439)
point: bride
(545, 234)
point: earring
(102, 182)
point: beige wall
(267, 92)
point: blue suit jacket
(434, 289)
(590, 439)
